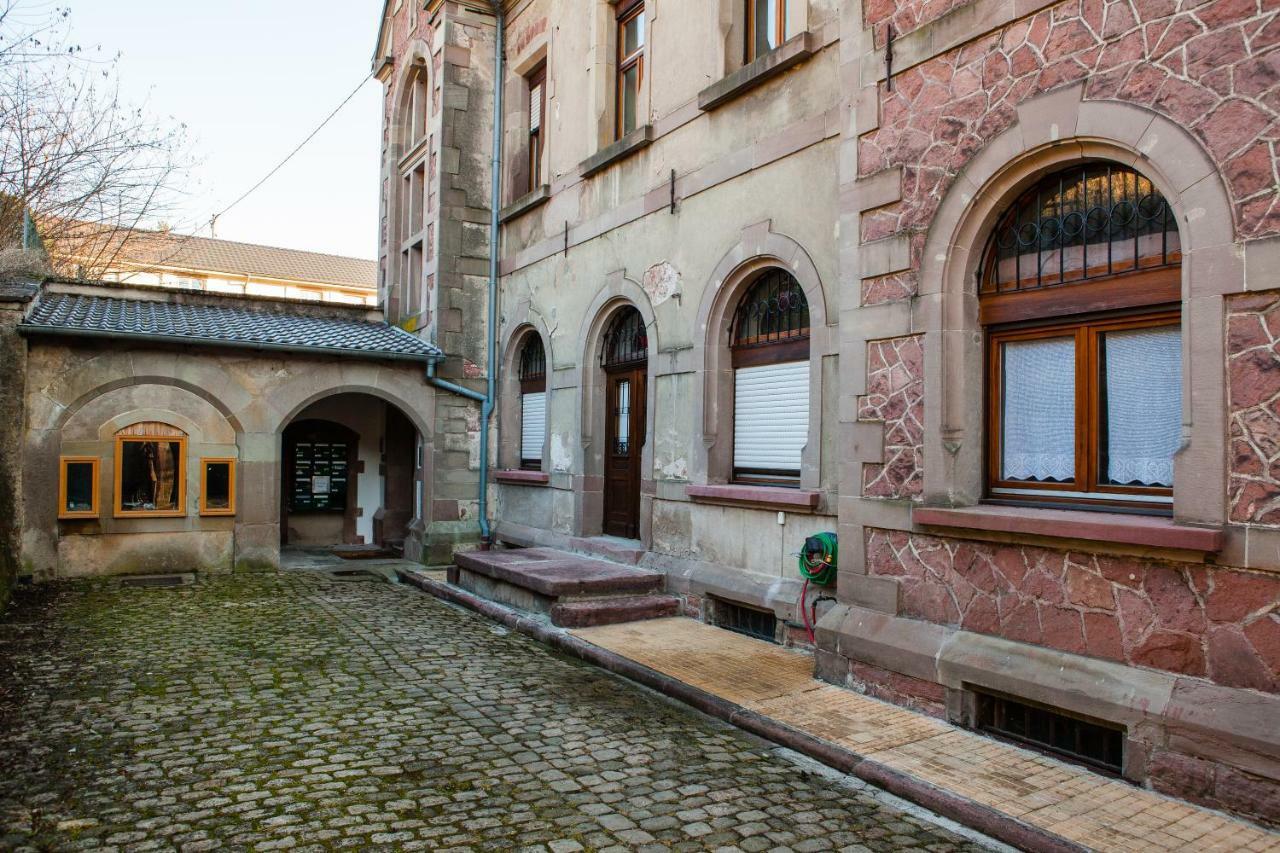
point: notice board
(319, 477)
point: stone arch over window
(618, 294)
(1061, 131)
(769, 261)
(1079, 297)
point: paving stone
(293, 711)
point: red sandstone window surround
(1078, 293)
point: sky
(250, 79)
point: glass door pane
(622, 413)
(1038, 410)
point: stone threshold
(769, 691)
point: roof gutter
(487, 399)
(148, 337)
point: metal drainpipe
(487, 399)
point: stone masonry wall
(13, 367)
(1211, 67)
(1206, 621)
(895, 396)
(1253, 400)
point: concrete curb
(962, 810)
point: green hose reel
(818, 559)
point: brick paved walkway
(292, 709)
(1064, 800)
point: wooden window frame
(537, 138)
(63, 462)
(181, 468)
(205, 462)
(1085, 489)
(627, 12)
(780, 28)
(531, 384)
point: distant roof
(166, 249)
(219, 325)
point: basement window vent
(155, 581)
(761, 624)
(1092, 742)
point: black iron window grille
(627, 341)
(1081, 223)
(774, 310)
(1095, 743)
(533, 360)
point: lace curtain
(1144, 405)
(1038, 442)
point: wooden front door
(625, 437)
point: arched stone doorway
(625, 359)
(350, 475)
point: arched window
(150, 470)
(1079, 293)
(771, 380)
(414, 181)
(533, 402)
(627, 341)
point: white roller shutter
(535, 108)
(533, 424)
(771, 416)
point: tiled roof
(177, 251)
(102, 316)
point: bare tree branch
(92, 169)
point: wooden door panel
(625, 437)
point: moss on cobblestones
(288, 709)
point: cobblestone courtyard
(298, 710)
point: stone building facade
(156, 431)
(882, 167)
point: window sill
(521, 477)
(1149, 531)
(525, 203)
(641, 137)
(761, 497)
(792, 52)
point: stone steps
(573, 590)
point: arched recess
(65, 415)
(758, 250)
(509, 396)
(1054, 131)
(419, 419)
(618, 292)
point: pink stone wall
(1207, 621)
(1211, 67)
(1253, 404)
(904, 15)
(895, 396)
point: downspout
(488, 399)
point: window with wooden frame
(1079, 293)
(150, 471)
(533, 402)
(770, 355)
(537, 90)
(218, 486)
(766, 26)
(78, 487)
(630, 66)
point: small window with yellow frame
(78, 487)
(217, 486)
(150, 472)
